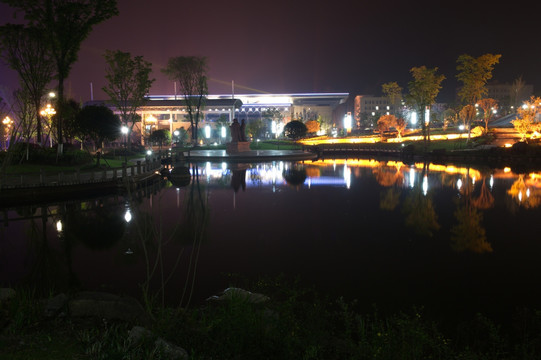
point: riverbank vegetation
(295, 323)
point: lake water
(453, 239)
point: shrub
(295, 129)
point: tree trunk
(60, 101)
(37, 104)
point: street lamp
(48, 112)
(7, 122)
(124, 130)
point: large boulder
(233, 293)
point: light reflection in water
(272, 174)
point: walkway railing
(126, 172)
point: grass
(297, 323)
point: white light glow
(127, 216)
(413, 118)
(347, 122)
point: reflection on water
(383, 231)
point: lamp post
(7, 122)
(124, 129)
(48, 112)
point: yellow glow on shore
(371, 163)
(374, 139)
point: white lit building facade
(272, 111)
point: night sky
(308, 46)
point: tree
(400, 126)
(65, 24)
(24, 50)
(488, 105)
(191, 73)
(295, 129)
(99, 123)
(393, 92)
(255, 128)
(384, 124)
(181, 137)
(272, 115)
(70, 110)
(527, 115)
(128, 83)
(450, 116)
(160, 136)
(423, 90)
(467, 114)
(312, 126)
(474, 74)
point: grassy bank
(294, 324)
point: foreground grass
(294, 324)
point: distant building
(509, 95)
(272, 111)
(367, 109)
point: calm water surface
(455, 240)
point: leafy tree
(467, 114)
(450, 116)
(312, 126)
(99, 123)
(70, 110)
(182, 135)
(488, 105)
(160, 136)
(65, 24)
(255, 128)
(128, 83)
(384, 124)
(423, 90)
(191, 73)
(393, 92)
(295, 129)
(24, 50)
(527, 115)
(474, 73)
(272, 114)
(400, 126)
(523, 126)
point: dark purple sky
(309, 46)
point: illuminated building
(169, 111)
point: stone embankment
(46, 186)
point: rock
(108, 306)
(169, 350)
(6, 294)
(138, 334)
(55, 305)
(237, 293)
